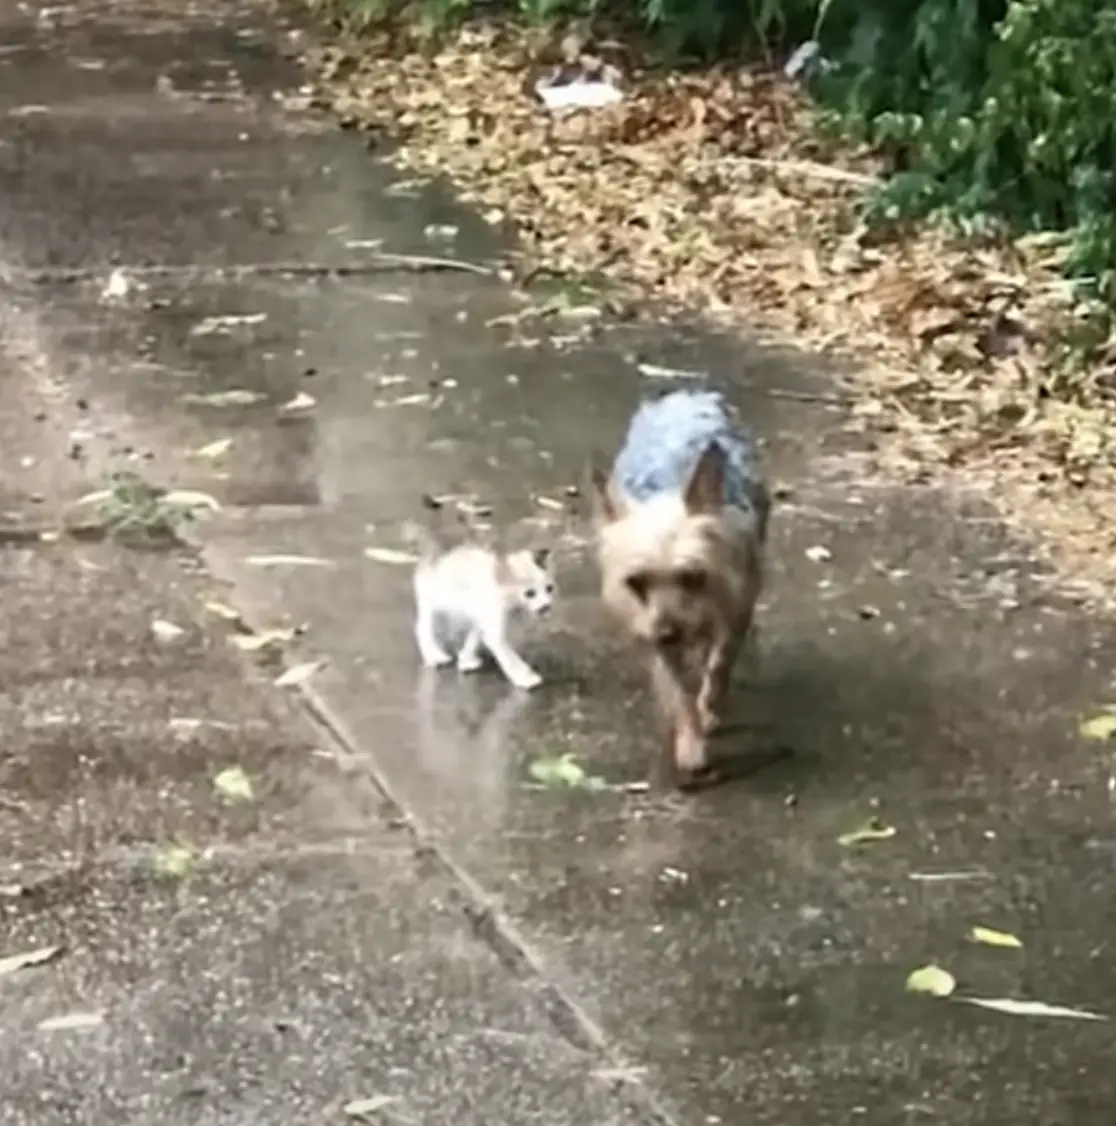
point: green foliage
(991, 111)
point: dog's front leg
(717, 674)
(679, 707)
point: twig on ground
(808, 168)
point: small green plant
(563, 772)
(131, 508)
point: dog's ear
(705, 489)
(608, 503)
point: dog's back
(667, 436)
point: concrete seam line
(376, 264)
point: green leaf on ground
(1017, 1008)
(1099, 727)
(995, 938)
(233, 785)
(931, 980)
(868, 833)
(175, 861)
(564, 773)
(13, 963)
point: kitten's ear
(705, 489)
(608, 502)
(541, 556)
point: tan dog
(682, 526)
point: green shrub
(1001, 110)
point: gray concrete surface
(738, 961)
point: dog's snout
(667, 634)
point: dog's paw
(469, 662)
(436, 658)
(527, 681)
(690, 752)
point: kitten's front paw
(527, 680)
(469, 662)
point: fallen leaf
(233, 785)
(268, 638)
(186, 723)
(166, 631)
(363, 1108)
(220, 610)
(211, 325)
(945, 877)
(118, 286)
(15, 962)
(99, 496)
(620, 1074)
(287, 561)
(1099, 727)
(565, 773)
(995, 938)
(215, 449)
(551, 503)
(235, 397)
(187, 498)
(656, 371)
(389, 556)
(70, 1022)
(931, 980)
(406, 401)
(296, 674)
(1013, 1007)
(819, 553)
(175, 861)
(301, 402)
(871, 831)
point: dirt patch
(712, 191)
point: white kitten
(477, 593)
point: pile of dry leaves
(710, 191)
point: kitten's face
(529, 579)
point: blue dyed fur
(667, 436)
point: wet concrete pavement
(725, 949)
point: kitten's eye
(549, 588)
(638, 585)
(529, 592)
(692, 581)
